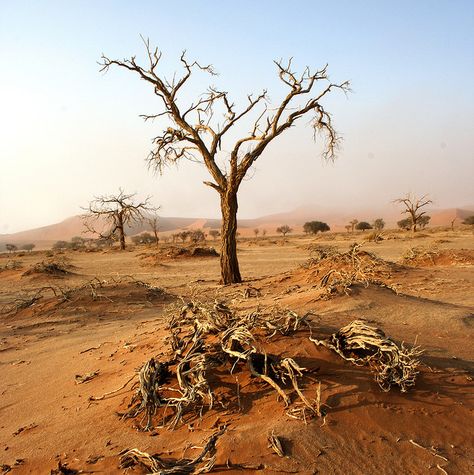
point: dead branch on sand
(364, 345)
(203, 463)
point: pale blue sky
(69, 132)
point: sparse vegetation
(314, 227)
(413, 206)
(144, 238)
(284, 230)
(214, 233)
(11, 247)
(379, 224)
(363, 226)
(109, 215)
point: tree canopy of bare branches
(109, 215)
(413, 207)
(196, 130)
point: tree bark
(120, 227)
(230, 273)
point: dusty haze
(73, 132)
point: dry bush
(423, 256)
(364, 345)
(55, 266)
(339, 271)
(12, 264)
(374, 236)
(207, 341)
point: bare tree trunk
(230, 273)
(121, 232)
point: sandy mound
(52, 267)
(329, 272)
(174, 252)
(421, 256)
(97, 294)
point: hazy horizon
(70, 132)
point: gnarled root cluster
(207, 341)
(364, 345)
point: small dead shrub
(57, 266)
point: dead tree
(413, 207)
(195, 133)
(153, 222)
(108, 216)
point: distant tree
(104, 242)
(77, 242)
(363, 225)
(117, 211)
(183, 235)
(256, 231)
(413, 206)
(353, 224)
(424, 220)
(153, 222)
(313, 227)
(452, 223)
(348, 227)
(28, 247)
(144, 238)
(404, 224)
(469, 221)
(192, 129)
(11, 247)
(197, 236)
(379, 224)
(60, 245)
(285, 229)
(264, 232)
(214, 233)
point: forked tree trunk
(230, 273)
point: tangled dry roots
(364, 345)
(203, 463)
(339, 271)
(206, 337)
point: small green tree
(379, 224)
(60, 245)
(183, 235)
(313, 227)
(284, 230)
(469, 221)
(424, 220)
(404, 224)
(363, 225)
(144, 238)
(11, 247)
(28, 247)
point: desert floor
(112, 325)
